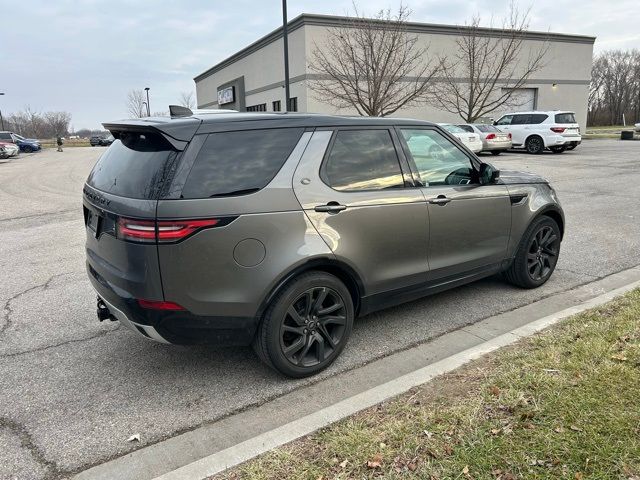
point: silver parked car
(279, 230)
(493, 140)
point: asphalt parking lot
(73, 390)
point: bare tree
(373, 65)
(137, 103)
(57, 123)
(488, 67)
(187, 100)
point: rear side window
(6, 136)
(565, 118)
(134, 166)
(362, 160)
(239, 163)
(466, 128)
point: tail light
(558, 129)
(159, 305)
(491, 136)
(509, 136)
(161, 231)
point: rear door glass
(537, 118)
(565, 118)
(135, 166)
(362, 160)
(239, 163)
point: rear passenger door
(357, 191)
(469, 223)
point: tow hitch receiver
(103, 312)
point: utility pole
(285, 38)
(1, 119)
(148, 108)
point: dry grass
(561, 404)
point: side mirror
(488, 174)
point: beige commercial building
(253, 78)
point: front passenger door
(469, 223)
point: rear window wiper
(244, 191)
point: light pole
(145, 107)
(1, 119)
(285, 38)
(148, 109)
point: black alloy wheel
(543, 253)
(313, 327)
(535, 145)
(537, 254)
(306, 326)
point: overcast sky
(83, 56)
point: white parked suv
(536, 131)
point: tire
(537, 254)
(571, 147)
(558, 149)
(294, 337)
(496, 152)
(27, 149)
(534, 145)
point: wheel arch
(555, 214)
(534, 135)
(341, 270)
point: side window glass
(466, 128)
(537, 118)
(438, 161)
(520, 120)
(506, 120)
(362, 160)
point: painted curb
(253, 447)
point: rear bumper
(488, 145)
(176, 327)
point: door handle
(440, 200)
(331, 207)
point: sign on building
(226, 95)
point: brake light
(491, 136)
(558, 129)
(148, 231)
(509, 136)
(137, 230)
(159, 305)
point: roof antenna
(179, 111)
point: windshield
(453, 129)
(19, 137)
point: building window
(276, 106)
(293, 104)
(261, 107)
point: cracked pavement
(72, 390)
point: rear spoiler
(178, 132)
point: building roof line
(413, 27)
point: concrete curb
(264, 442)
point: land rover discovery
(278, 230)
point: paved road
(72, 390)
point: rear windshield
(134, 166)
(239, 163)
(568, 117)
(487, 128)
(453, 128)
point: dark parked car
(25, 144)
(278, 230)
(106, 141)
(95, 140)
